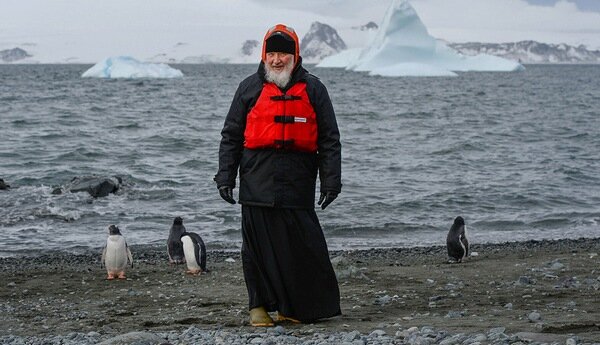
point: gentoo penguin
(116, 253)
(457, 243)
(195, 253)
(174, 245)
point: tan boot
(281, 318)
(260, 318)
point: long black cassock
(286, 263)
(284, 252)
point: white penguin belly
(116, 254)
(190, 253)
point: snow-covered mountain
(249, 47)
(12, 55)
(368, 26)
(320, 41)
(531, 52)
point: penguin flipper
(103, 258)
(200, 250)
(129, 256)
(463, 239)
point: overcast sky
(116, 26)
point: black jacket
(280, 178)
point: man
(280, 132)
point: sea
(517, 155)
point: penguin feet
(260, 318)
(122, 275)
(193, 272)
(283, 318)
(110, 276)
(454, 261)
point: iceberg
(403, 47)
(128, 67)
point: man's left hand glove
(326, 198)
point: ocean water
(516, 154)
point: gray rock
(496, 330)
(454, 314)
(534, 316)
(377, 333)
(571, 341)
(382, 300)
(96, 186)
(134, 338)
(525, 280)
(351, 336)
(540, 337)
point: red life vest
(282, 121)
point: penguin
(195, 253)
(115, 255)
(457, 243)
(174, 245)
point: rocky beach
(533, 292)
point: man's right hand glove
(226, 193)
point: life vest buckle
(286, 98)
(284, 144)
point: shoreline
(547, 289)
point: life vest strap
(281, 144)
(286, 98)
(285, 119)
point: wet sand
(538, 288)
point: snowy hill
(320, 41)
(531, 52)
(13, 55)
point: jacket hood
(287, 31)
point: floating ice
(403, 47)
(128, 67)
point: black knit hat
(280, 42)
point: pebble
(525, 280)
(426, 335)
(534, 316)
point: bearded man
(280, 132)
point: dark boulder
(96, 186)
(3, 185)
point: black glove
(326, 198)
(226, 193)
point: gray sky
(87, 29)
(584, 5)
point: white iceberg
(128, 67)
(403, 47)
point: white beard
(281, 79)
